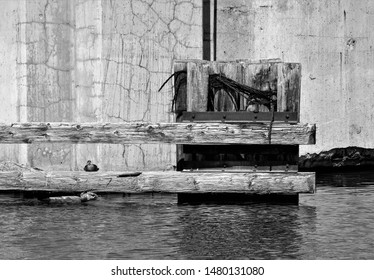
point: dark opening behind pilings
(183, 198)
(236, 198)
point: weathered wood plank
(142, 132)
(233, 71)
(180, 88)
(288, 87)
(197, 86)
(169, 182)
(285, 78)
(262, 77)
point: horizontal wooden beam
(141, 132)
(168, 181)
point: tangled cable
(234, 90)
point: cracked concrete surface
(140, 41)
(332, 40)
(97, 61)
(104, 60)
(137, 52)
(48, 61)
(9, 77)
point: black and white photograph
(214, 137)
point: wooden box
(284, 79)
(192, 105)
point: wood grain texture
(142, 132)
(197, 86)
(233, 71)
(169, 182)
(288, 87)
(263, 75)
(180, 85)
(180, 88)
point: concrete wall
(101, 61)
(10, 15)
(332, 39)
(93, 61)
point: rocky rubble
(338, 158)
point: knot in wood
(150, 128)
(249, 185)
(138, 125)
(193, 183)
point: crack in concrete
(147, 20)
(97, 64)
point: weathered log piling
(222, 155)
(211, 133)
(228, 92)
(159, 181)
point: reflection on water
(334, 223)
(248, 232)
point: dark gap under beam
(236, 198)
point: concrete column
(331, 39)
(12, 77)
(94, 61)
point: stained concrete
(10, 79)
(99, 60)
(333, 40)
(93, 61)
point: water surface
(335, 223)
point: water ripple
(334, 223)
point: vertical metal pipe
(206, 30)
(209, 22)
(215, 30)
